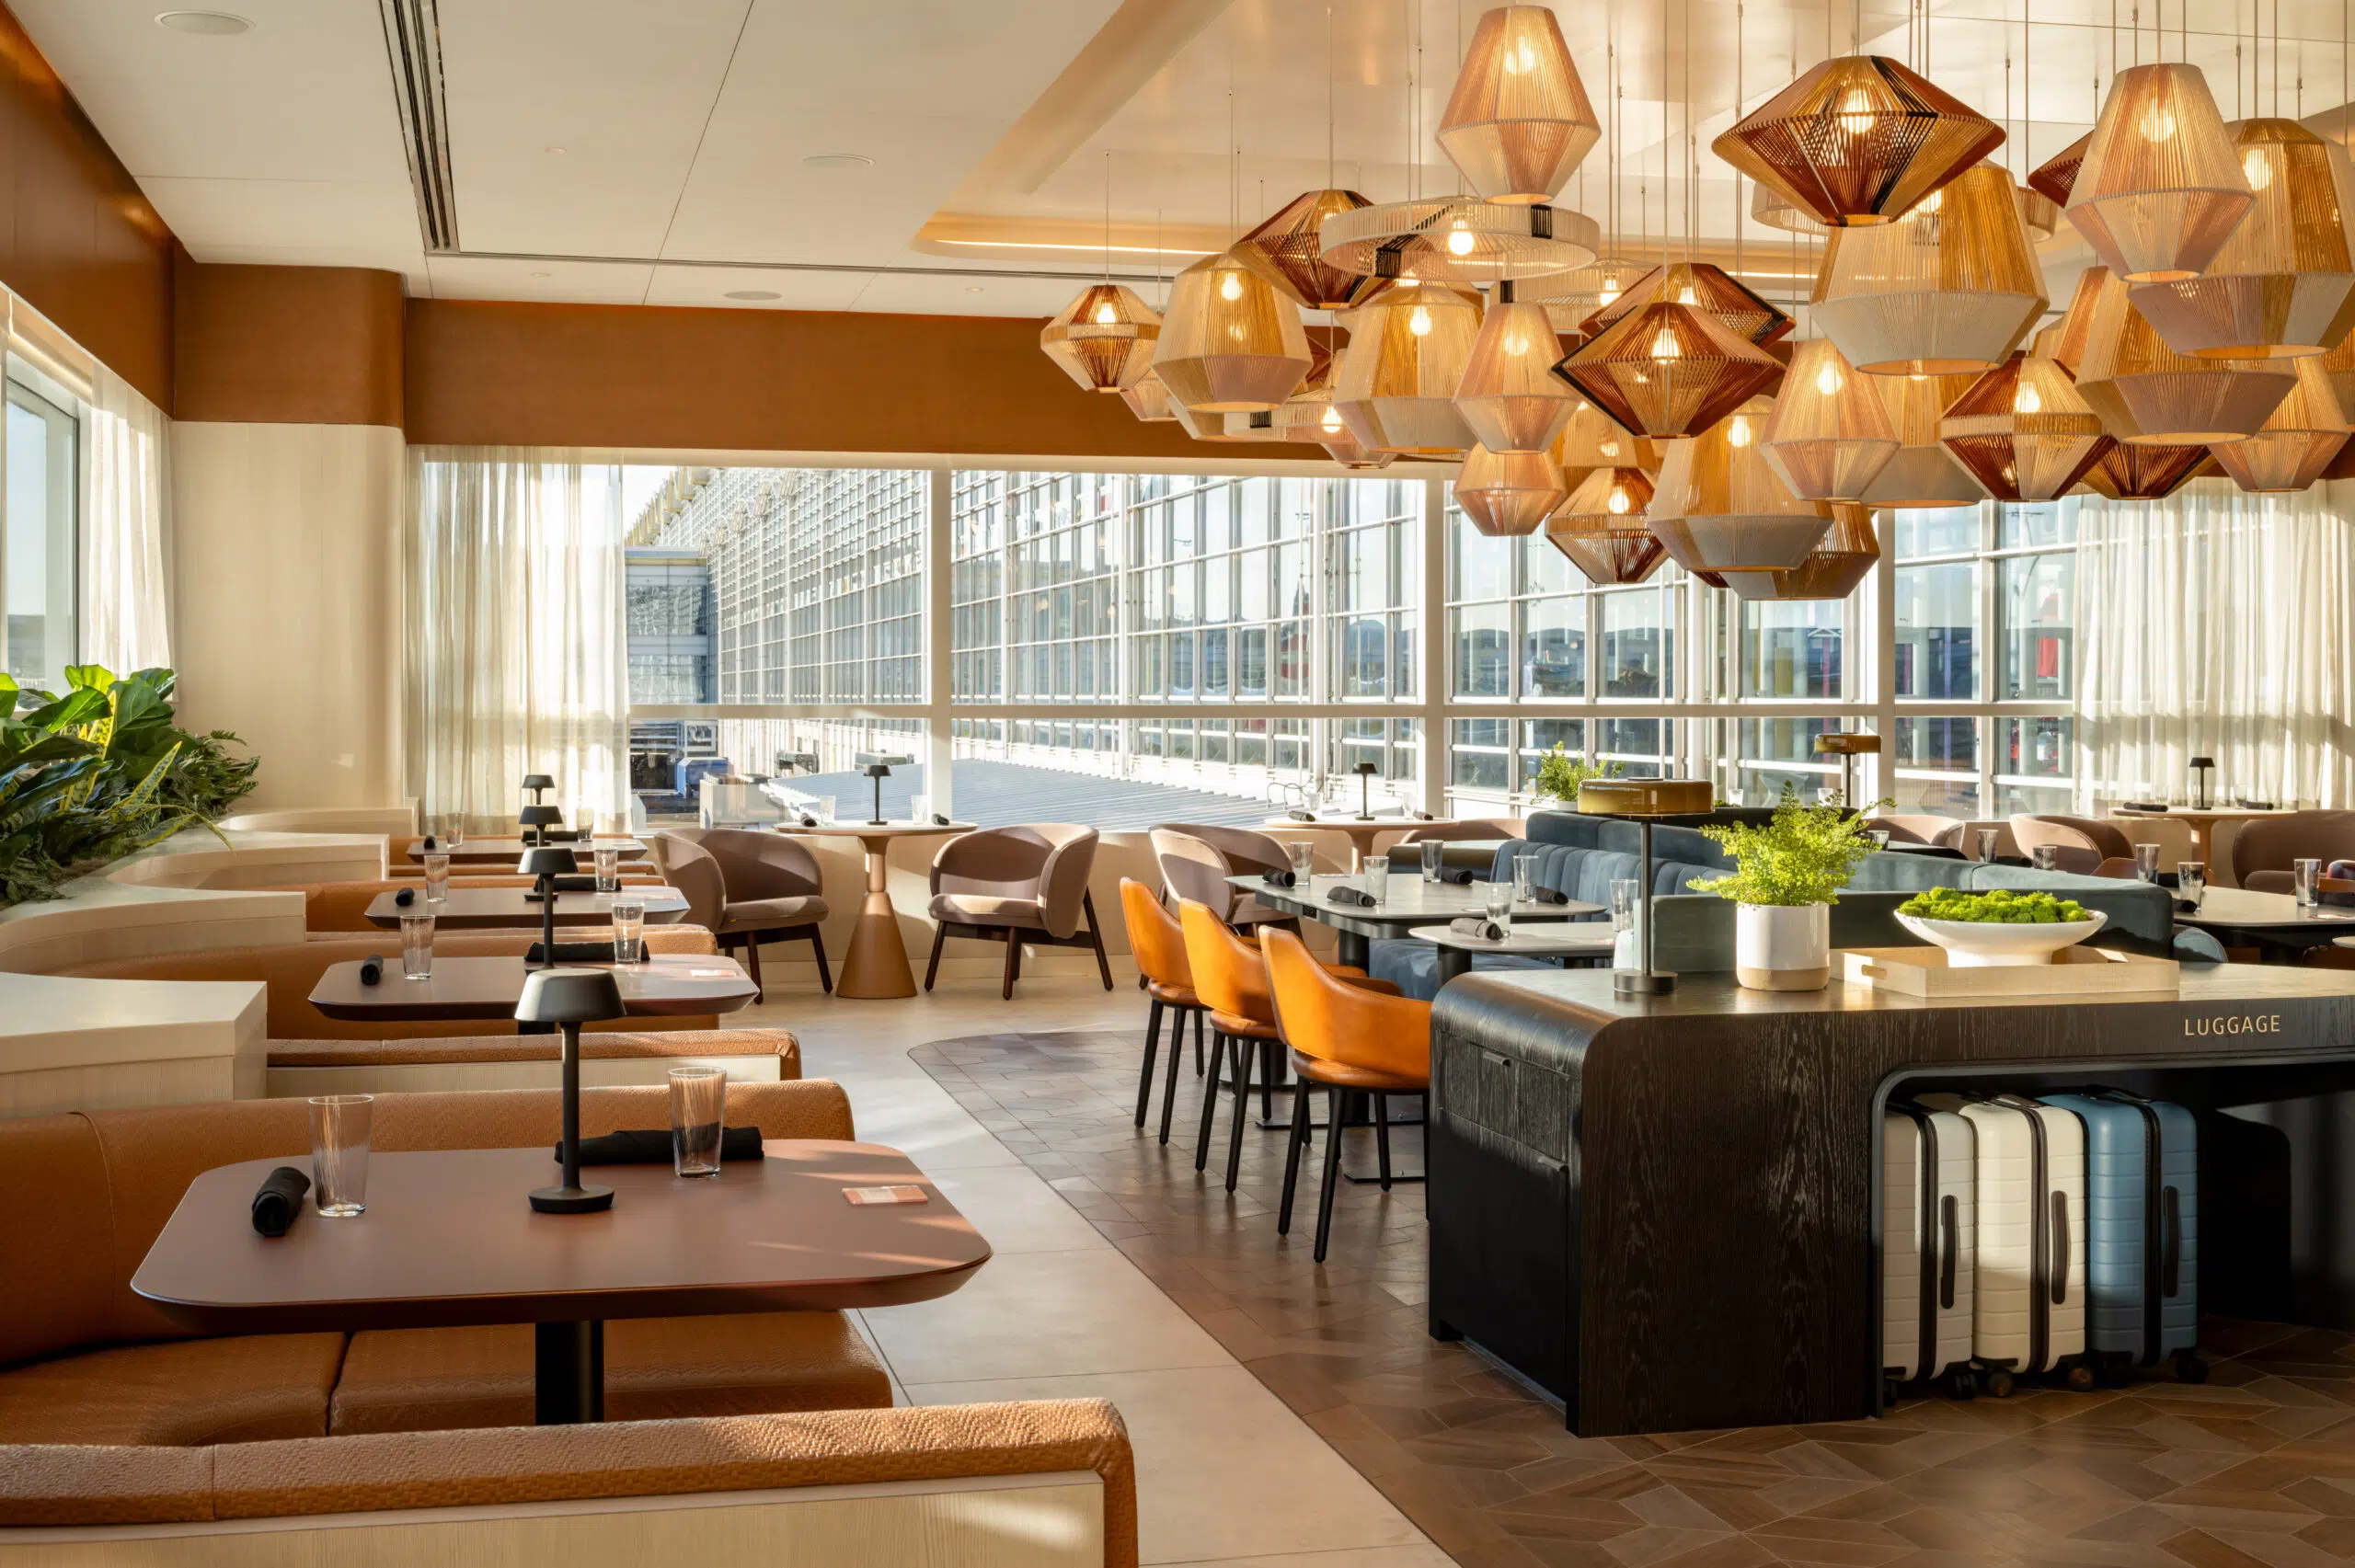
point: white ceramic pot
(1978, 945)
(1782, 946)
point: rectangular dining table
(510, 849)
(2238, 917)
(666, 984)
(512, 909)
(1407, 901)
(449, 1239)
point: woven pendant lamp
(2339, 366)
(1719, 507)
(1510, 394)
(1831, 571)
(1297, 417)
(1923, 474)
(2129, 473)
(1669, 369)
(2287, 270)
(1601, 527)
(1104, 340)
(2161, 188)
(1407, 354)
(1286, 251)
(2039, 214)
(1200, 424)
(1574, 295)
(1148, 400)
(2023, 431)
(2065, 341)
(2053, 177)
(1859, 140)
(1712, 290)
(1507, 493)
(2146, 393)
(1952, 286)
(1229, 341)
(1609, 560)
(1454, 239)
(1829, 434)
(1594, 440)
(1346, 449)
(1777, 210)
(2295, 443)
(1519, 122)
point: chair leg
(753, 964)
(1382, 1136)
(1336, 1109)
(1243, 1053)
(1292, 1151)
(1013, 963)
(939, 941)
(1267, 1080)
(1096, 939)
(1198, 1040)
(818, 948)
(1152, 1048)
(1176, 1058)
(1210, 1097)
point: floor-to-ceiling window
(37, 576)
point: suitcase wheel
(2190, 1368)
(1962, 1384)
(2080, 1376)
(1998, 1382)
(1890, 1389)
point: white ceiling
(595, 140)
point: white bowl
(1972, 945)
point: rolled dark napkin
(1300, 816)
(938, 820)
(2142, 805)
(278, 1199)
(652, 1145)
(808, 820)
(429, 844)
(405, 897)
(1352, 897)
(1456, 876)
(1480, 927)
(371, 968)
(572, 952)
(1422, 816)
(1279, 878)
(2257, 806)
(1549, 896)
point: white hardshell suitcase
(1929, 1207)
(2028, 1297)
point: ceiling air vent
(413, 43)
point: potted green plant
(1787, 875)
(1560, 772)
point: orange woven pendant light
(2339, 364)
(2023, 431)
(1287, 252)
(1923, 474)
(1952, 286)
(2131, 472)
(2053, 177)
(1510, 394)
(1859, 140)
(1396, 387)
(2295, 443)
(2160, 190)
(1669, 369)
(1104, 340)
(1718, 505)
(1712, 290)
(1148, 400)
(2146, 393)
(1507, 493)
(1229, 341)
(1829, 435)
(1519, 122)
(1832, 569)
(1601, 527)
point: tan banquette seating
(2265, 848)
(303, 1068)
(289, 970)
(88, 1361)
(334, 907)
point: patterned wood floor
(2256, 1467)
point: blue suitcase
(2142, 1229)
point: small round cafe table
(876, 967)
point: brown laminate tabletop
(666, 984)
(475, 851)
(449, 1239)
(496, 909)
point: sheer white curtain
(126, 528)
(517, 653)
(2220, 624)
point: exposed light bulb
(2026, 400)
(1332, 422)
(1104, 317)
(1618, 502)
(1827, 380)
(1230, 285)
(1610, 293)
(2256, 170)
(1856, 112)
(1738, 431)
(1419, 324)
(1459, 239)
(1664, 345)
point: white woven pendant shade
(1229, 342)
(2295, 443)
(1846, 556)
(1952, 286)
(1923, 474)
(1829, 434)
(1406, 357)
(1148, 400)
(1719, 507)
(2161, 188)
(1510, 394)
(2146, 393)
(1518, 121)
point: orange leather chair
(1159, 943)
(1353, 1040)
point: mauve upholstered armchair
(1018, 884)
(2080, 844)
(746, 888)
(2265, 847)
(1196, 859)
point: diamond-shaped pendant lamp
(1829, 434)
(1508, 494)
(2053, 177)
(1719, 507)
(1229, 341)
(2295, 443)
(1510, 394)
(1923, 474)
(2287, 269)
(1846, 557)
(2023, 431)
(1518, 121)
(1669, 369)
(2146, 393)
(2339, 364)
(1601, 527)
(1286, 251)
(1148, 400)
(2161, 188)
(2131, 472)
(1710, 290)
(1594, 440)
(1859, 140)
(1407, 354)
(1952, 286)
(1104, 340)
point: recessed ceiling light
(972, 288)
(753, 294)
(557, 150)
(215, 24)
(540, 274)
(839, 161)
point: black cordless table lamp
(536, 783)
(878, 772)
(1365, 771)
(537, 819)
(2204, 766)
(568, 999)
(546, 863)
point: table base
(876, 967)
(567, 1373)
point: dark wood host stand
(1663, 1209)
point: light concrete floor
(1226, 1473)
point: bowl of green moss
(2003, 926)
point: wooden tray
(1923, 971)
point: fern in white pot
(1787, 875)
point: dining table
(876, 965)
(1407, 901)
(448, 1240)
(665, 985)
(2201, 820)
(1554, 939)
(516, 909)
(1361, 830)
(2276, 924)
(511, 849)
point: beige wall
(287, 602)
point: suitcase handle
(2170, 1241)
(2060, 1248)
(1949, 1246)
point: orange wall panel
(288, 345)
